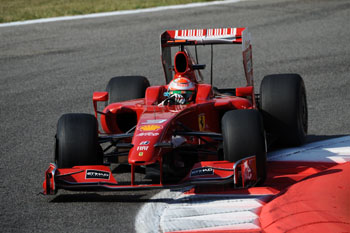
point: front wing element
(99, 177)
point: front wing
(100, 178)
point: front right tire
(243, 136)
(77, 141)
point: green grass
(17, 10)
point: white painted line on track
(211, 212)
(148, 218)
(171, 211)
(116, 13)
(335, 150)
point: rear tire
(284, 108)
(77, 141)
(243, 136)
(124, 88)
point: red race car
(184, 132)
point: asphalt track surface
(53, 68)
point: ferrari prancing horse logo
(201, 122)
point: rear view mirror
(100, 96)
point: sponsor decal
(150, 127)
(158, 121)
(148, 134)
(190, 33)
(201, 122)
(202, 171)
(213, 32)
(144, 143)
(218, 32)
(96, 174)
(140, 154)
(142, 148)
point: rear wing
(202, 36)
(194, 37)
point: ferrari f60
(216, 136)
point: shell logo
(150, 127)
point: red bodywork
(161, 129)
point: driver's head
(182, 86)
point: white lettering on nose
(142, 148)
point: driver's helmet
(182, 86)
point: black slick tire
(284, 108)
(124, 88)
(243, 136)
(77, 141)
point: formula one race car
(184, 132)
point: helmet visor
(186, 94)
